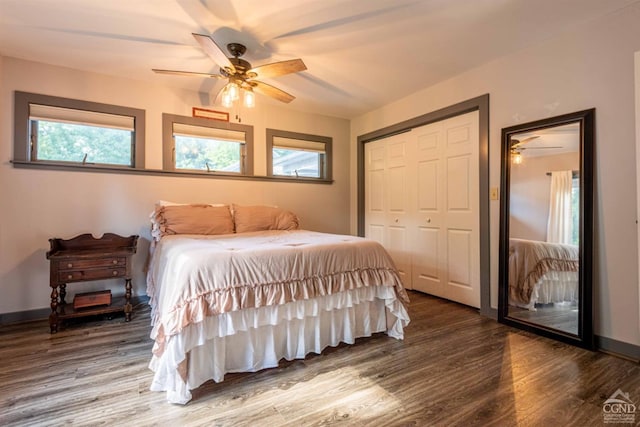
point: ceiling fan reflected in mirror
(519, 145)
(515, 143)
(241, 76)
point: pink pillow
(194, 219)
(259, 218)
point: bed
(251, 288)
(542, 273)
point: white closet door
(446, 255)
(422, 204)
(387, 210)
(429, 243)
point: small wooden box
(92, 299)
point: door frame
(480, 104)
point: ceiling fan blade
(518, 143)
(276, 69)
(540, 148)
(214, 51)
(187, 73)
(271, 91)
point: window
(575, 209)
(298, 155)
(57, 130)
(203, 145)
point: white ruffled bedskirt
(557, 287)
(255, 339)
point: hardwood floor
(453, 368)
(558, 316)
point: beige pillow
(194, 219)
(259, 218)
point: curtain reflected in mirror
(543, 272)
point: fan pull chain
(238, 108)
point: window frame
(168, 144)
(23, 149)
(575, 202)
(326, 171)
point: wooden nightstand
(85, 258)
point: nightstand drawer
(93, 274)
(91, 263)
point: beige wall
(589, 66)
(36, 205)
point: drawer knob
(69, 265)
(115, 261)
(70, 276)
(115, 272)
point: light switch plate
(493, 193)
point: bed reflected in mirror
(545, 278)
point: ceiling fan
(517, 147)
(518, 144)
(240, 74)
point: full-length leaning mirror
(546, 227)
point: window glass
(289, 162)
(207, 154)
(298, 155)
(70, 142)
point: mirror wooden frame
(584, 338)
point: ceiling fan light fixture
(231, 93)
(227, 99)
(517, 158)
(234, 91)
(249, 98)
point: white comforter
(205, 288)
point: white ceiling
(360, 54)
